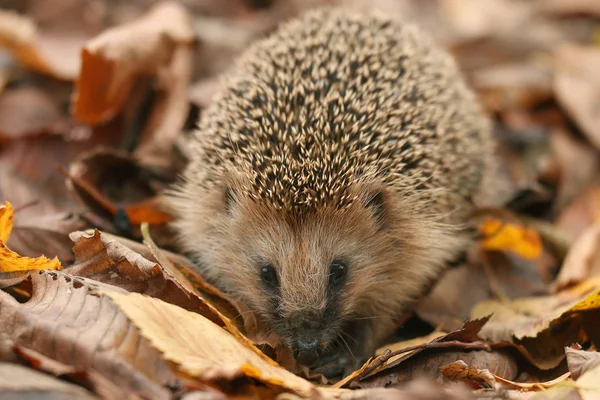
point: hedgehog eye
(269, 276)
(337, 272)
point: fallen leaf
(540, 327)
(37, 233)
(581, 361)
(578, 163)
(6, 221)
(577, 87)
(459, 370)
(29, 111)
(169, 112)
(199, 347)
(113, 184)
(588, 384)
(460, 339)
(104, 259)
(112, 61)
(11, 261)
(582, 261)
(54, 55)
(66, 324)
(501, 236)
(17, 381)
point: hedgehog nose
(306, 351)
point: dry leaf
(45, 53)
(113, 61)
(459, 339)
(11, 261)
(104, 259)
(581, 361)
(459, 370)
(540, 327)
(29, 111)
(17, 381)
(66, 324)
(577, 87)
(588, 384)
(200, 348)
(112, 183)
(6, 221)
(501, 236)
(582, 261)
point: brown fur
(330, 112)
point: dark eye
(269, 275)
(337, 272)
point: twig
(387, 354)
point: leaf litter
(126, 314)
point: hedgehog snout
(306, 338)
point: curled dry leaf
(577, 87)
(112, 61)
(17, 381)
(65, 323)
(104, 259)
(11, 261)
(540, 327)
(459, 370)
(56, 56)
(501, 236)
(113, 184)
(202, 349)
(461, 339)
(581, 361)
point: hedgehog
(332, 181)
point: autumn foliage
(96, 105)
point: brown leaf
(112, 61)
(170, 111)
(65, 323)
(110, 183)
(460, 371)
(582, 261)
(460, 339)
(104, 259)
(581, 361)
(540, 327)
(16, 380)
(29, 111)
(577, 87)
(44, 234)
(581, 213)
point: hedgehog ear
(375, 202)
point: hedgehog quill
(332, 180)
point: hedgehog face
(310, 278)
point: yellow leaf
(199, 347)
(6, 221)
(498, 235)
(12, 262)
